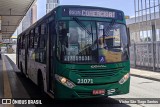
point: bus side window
(31, 39)
(23, 41)
(19, 45)
(28, 39)
(43, 36)
(36, 44)
(36, 38)
(43, 39)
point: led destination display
(103, 13)
(92, 13)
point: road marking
(7, 88)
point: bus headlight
(64, 81)
(124, 79)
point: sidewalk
(145, 74)
(12, 57)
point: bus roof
(81, 6)
(68, 6)
(89, 11)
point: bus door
(50, 57)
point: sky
(127, 6)
(41, 11)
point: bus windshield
(91, 42)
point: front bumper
(85, 91)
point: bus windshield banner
(89, 12)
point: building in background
(28, 20)
(33, 13)
(51, 4)
(146, 23)
(145, 35)
(37, 11)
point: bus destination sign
(89, 12)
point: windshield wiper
(82, 25)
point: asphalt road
(140, 88)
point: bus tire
(40, 82)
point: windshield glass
(112, 42)
(91, 42)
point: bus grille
(99, 73)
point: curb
(151, 78)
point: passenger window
(23, 42)
(19, 43)
(27, 37)
(43, 29)
(42, 44)
(36, 42)
(43, 36)
(31, 45)
(36, 38)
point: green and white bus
(77, 52)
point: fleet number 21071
(85, 81)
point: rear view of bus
(91, 53)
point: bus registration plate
(98, 92)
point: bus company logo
(98, 66)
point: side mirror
(128, 35)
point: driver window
(73, 48)
(63, 34)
